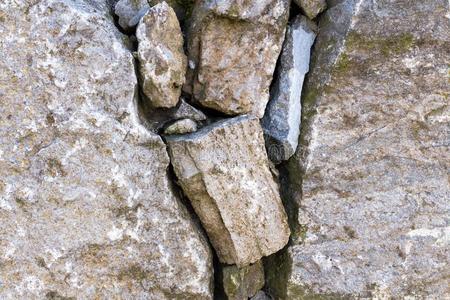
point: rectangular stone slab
(223, 169)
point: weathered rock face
(233, 47)
(281, 122)
(312, 8)
(86, 208)
(223, 169)
(261, 296)
(130, 12)
(375, 158)
(242, 283)
(182, 126)
(162, 62)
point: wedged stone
(312, 8)
(373, 164)
(223, 169)
(281, 122)
(233, 47)
(261, 295)
(182, 126)
(156, 120)
(86, 206)
(183, 8)
(162, 62)
(130, 12)
(242, 283)
(185, 110)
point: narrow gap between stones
(146, 117)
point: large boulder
(372, 167)
(233, 46)
(223, 169)
(281, 122)
(86, 207)
(162, 62)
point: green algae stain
(387, 46)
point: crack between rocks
(173, 183)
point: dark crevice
(218, 289)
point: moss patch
(387, 46)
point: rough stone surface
(86, 208)
(375, 156)
(185, 110)
(223, 169)
(130, 12)
(181, 127)
(312, 8)
(162, 62)
(281, 122)
(233, 46)
(183, 8)
(261, 295)
(242, 283)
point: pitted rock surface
(223, 169)
(375, 156)
(233, 47)
(162, 62)
(86, 207)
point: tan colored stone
(162, 62)
(223, 169)
(242, 283)
(233, 47)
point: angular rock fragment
(312, 8)
(223, 169)
(182, 126)
(261, 295)
(130, 12)
(183, 8)
(281, 123)
(185, 110)
(233, 47)
(372, 170)
(162, 62)
(242, 283)
(86, 206)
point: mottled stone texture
(181, 127)
(281, 122)
(130, 12)
(162, 62)
(312, 8)
(373, 166)
(242, 283)
(86, 208)
(223, 169)
(233, 46)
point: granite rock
(312, 8)
(242, 283)
(281, 122)
(86, 207)
(233, 46)
(162, 62)
(130, 12)
(223, 169)
(261, 295)
(182, 126)
(371, 172)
